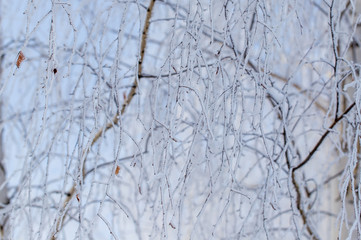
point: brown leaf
(20, 59)
(117, 170)
(77, 197)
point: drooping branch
(71, 193)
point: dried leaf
(77, 197)
(117, 170)
(20, 59)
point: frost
(173, 119)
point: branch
(71, 193)
(297, 189)
(320, 141)
(274, 75)
(300, 208)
